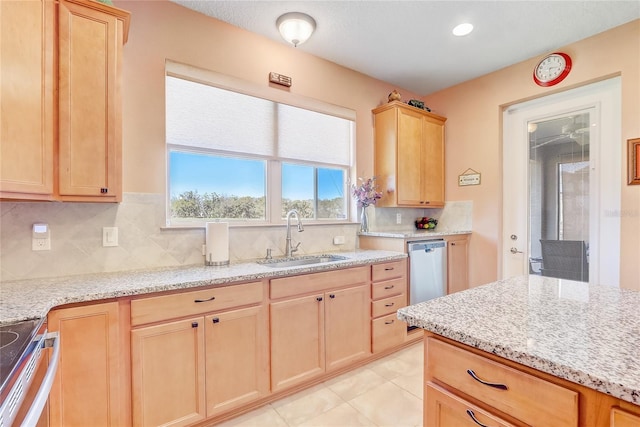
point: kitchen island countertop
(33, 299)
(587, 334)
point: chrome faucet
(288, 249)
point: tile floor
(387, 392)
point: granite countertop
(587, 334)
(32, 299)
(420, 234)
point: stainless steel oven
(27, 370)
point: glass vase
(364, 220)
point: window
(249, 159)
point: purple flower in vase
(365, 193)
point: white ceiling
(409, 43)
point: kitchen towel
(217, 243)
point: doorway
(561, 175)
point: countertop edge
(35, 298)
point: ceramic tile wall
(76, 236)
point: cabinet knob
(332, 296)
(194, 324)
(216, 320)
(104, 190)
(318, 298)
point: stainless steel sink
(303, 260)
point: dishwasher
(427, 270)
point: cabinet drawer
(620, 418)
(387, 332)
(444, 409)
(388, 305)
(389, 288)
(165, 307)
(521, 395)
(388, 270)
(318, 282)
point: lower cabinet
(622, 418)
(444, 409)
(317, 333)
(389, 293)
(319, 322)
(457, 263)
(87, 390)
(501, 389)
(200, 366)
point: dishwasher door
(427, 270)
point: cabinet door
(457, 265)
(237, 360)
(443, 409)
(347, 326)
(90, 131)
(433, 162)
(168, 373)
(86, 389)
(410, 162)
(26, 99)
(620, 418)
(297, 340)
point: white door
(542, 169)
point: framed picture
(633, 157)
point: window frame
(273, 181)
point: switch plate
(398, 218)
(109, 236)
(338, 240)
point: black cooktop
(14, 340)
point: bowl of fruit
(426, 223)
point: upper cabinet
(409, 156)
(27, 99)
(80, 159)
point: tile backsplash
(76, 236)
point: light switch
(109, 236)
(40, 237)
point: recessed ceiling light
(462, 29)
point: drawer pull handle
(205, 300)
(388, 269)
(194, 324)
(216, 320)
(389, 322)
(390, 287)
(390, 305)
(475, 420)
(494, 385)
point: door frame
(605, 159)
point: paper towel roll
(217, 243)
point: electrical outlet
(41, 244)
(338, 240)
(398, 218)
(40, 237)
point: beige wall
(473, 139)
(162, 30)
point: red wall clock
(552, 69)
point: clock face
(552, 69)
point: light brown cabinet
(88, 389)
(389, 293)
(90, 40)
(622, 418)
(79, 159)
(214, 355)
(27, 99)
(319, 323)
(457, 263)
(508, 392)
(409, 156)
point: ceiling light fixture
(296, 27)
(462, 29)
